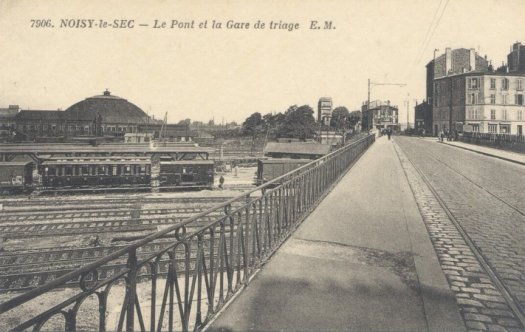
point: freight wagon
(186, 173)
(269, 169)
(15, 177)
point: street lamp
(368, 101)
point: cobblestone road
(486, 197)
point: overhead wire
(433, 31)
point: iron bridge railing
(184, 284)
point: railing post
(131, 290)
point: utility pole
(408, 107)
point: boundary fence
(500, 141)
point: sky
(228, 74)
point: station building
(97, 116)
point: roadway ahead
(486, 197)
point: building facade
(486, 102)
(423, 118)
(452, 62)
(381, 115)
(324, 110)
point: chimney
(472, 61)
(448, 60)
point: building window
(520, 115)
(493, 99)
(504, 99)
(473, 83)
(493, 84)
(519, 99)
(504, 114)
(473, 98)
(493, 114)
(493, 129)
(475, 127)
(504, 129)
(505, 84)
(519, 85)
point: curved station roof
(112, 109)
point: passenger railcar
(186, 173)
(15, 176)
(269, 169)
(95, 172)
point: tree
(354, 118)
(185, 122)
(340, 116)
(299, 122)
(252, 125)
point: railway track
(20, 272)
(31, 280)
(98, 215)
(13, 205)
(29, 269)
(144, 223)
(513, 303)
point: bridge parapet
(182, 285)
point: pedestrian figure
(441, 134)
(221, 181)
(389, 133)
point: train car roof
(96, 162)
(15, 163)
(107, 158)
(283, 160)
(297, 148)
(193, 161)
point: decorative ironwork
(184, 284)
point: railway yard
(46, 237)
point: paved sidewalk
(492, 152)
(362, 261)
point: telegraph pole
(408, 107)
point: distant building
(423, 118)
(324, 110)
(330, 138)
(489, 102)
(138, 137)
(381, 115)
(172, 132)
(516, 58)
(8, 121)
(95, 116)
